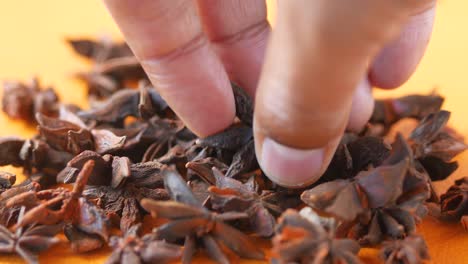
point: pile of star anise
(95, 174)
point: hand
(314, 80)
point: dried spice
(113, 65)
(454, 203)
(389, 111)
(346, 199)
(130, 183)
(131, 248)
(9, 215)
(29, 240)
(355, 154)
(244, 105)
(411, 250)
(144, 103)
(80, 241)
(61, 205)
(197, 225)
(24, 100)
(388, 201)
(230, 195)
(303, 237)
(435, 146)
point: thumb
(318, 54)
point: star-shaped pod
(303, 237)
(197, 225)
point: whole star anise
(303, 237)
(411, 250)
(435, 146)
(230, 195)
(63, 206)
(113, 65)
(198, 225)
(24, 100)
(28, 241)
(389, 111)
(132, 248)
(129, 183)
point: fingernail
(290, 167)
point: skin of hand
(311, 76)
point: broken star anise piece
(24, 100)
(355, 154)
(233, 138)
(132, 248)
(304, 237)
(199, 226)
(113, 65)
(9, 215)
(28, 241)
(244, 105)
(454, 203)
(389, 111)
(144, 103)
(411, 250)
(80, 241)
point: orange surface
(32, 44)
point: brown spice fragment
(28, 241)
(303, 237)
(454, 203)
(24, 100)
(411, 250)
(132, 248)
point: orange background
(32, 43)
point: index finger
(168, 40)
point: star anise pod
(346, 199)
(29, 240)
(411, 250)
(303, 237)
(62, 205)
(114, 64)
(199, 226)
(9, 215)
(129, 184)
(132, 248)
(24, 100)
(454, 203)
(396, 218)
(230, 195)
(143, 103)
(389, 111)
(355, 154)
(244, 105)
(40, 162)
(80, 241)
(68, 133)
(435, 146)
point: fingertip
(362, 106)
(292, 167)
